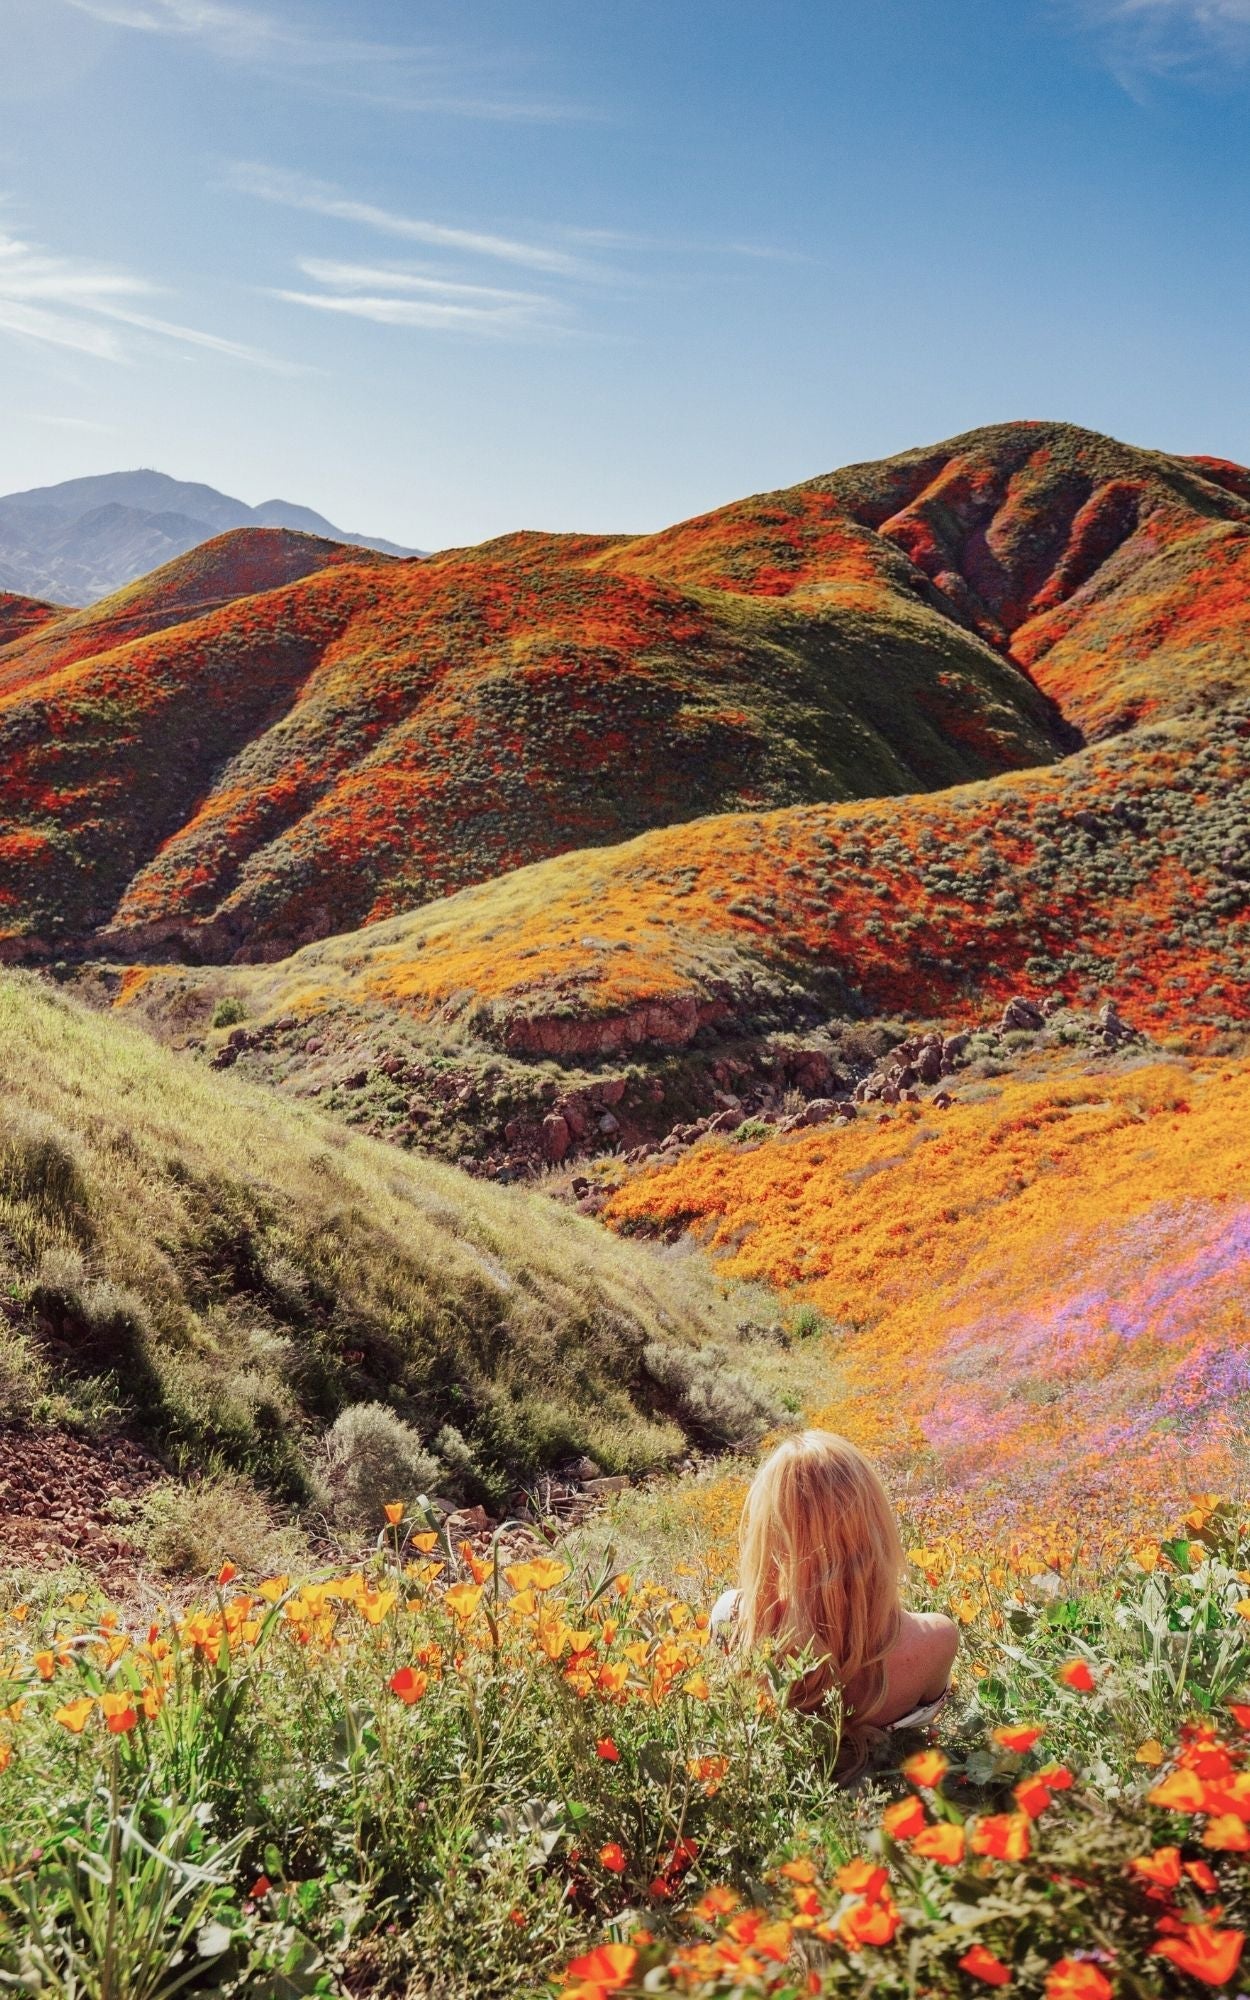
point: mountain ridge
(235, 756)
(82, 539)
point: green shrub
(191, 1530)
(371, 1456)
(711, 1398)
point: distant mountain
(85, 538)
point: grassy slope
(245, 1270)
(1044, 1288)
(1122, 870)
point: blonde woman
(821, 1565)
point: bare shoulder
(920, 1660)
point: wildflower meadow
(443, 1772)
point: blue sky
(442, 270)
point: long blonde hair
(821, 1564)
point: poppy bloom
(926, 1769)
(717, 1902)
(1076, 1674)
(799, 1871)
(1228, 1834)
(1150, 1752)
(1204, 1952)
(1004, 1836)
(260, 1887)
(981, 1963)
(609, 1966)
(74, 1714)
(944, 1843)
(409, 1684)
(1032, 1797)
(607, 1749)
(612, 1857)
(1017, 1736)
(869, 1923)
(1199, 1872)
(1180, 1791)
(904, 1819)
(1162, 1868)
(119, 1713)
(226, 1574)
(1055, 1777)
(545, 1574)
(462, 1600)
(1076, 1979)
(863, 1878)
(1240, 1712)
(394, 1512)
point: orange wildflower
(717, 1902)
(226, 1574)
(394, 1512)
(1017, 1736)
(863, 1878)
(608, 1967)
(1004, 1836)
(980, 1963)
(926, 1769)
(1180, 1791)
(409, 1684)
(1076, 1674)
(943, 1843)
(803, 1871)
(74, 1714)
(869, 1923)
(612, 1857)
(119, 1713)
(1076, 1979)
(1150, 1752)
(1032, 1797)
(607, 1749)
(1202, 1874)
(1228, 1833)
(904, 1819)
(1162, 1868)
(1203, 1952)
(462, 1600)
(477, 1569)
(545, 1574)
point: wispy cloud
(247, 33)
(61, 423)
(398, 75)
(292, 190)
(54, 301)
(391, 295)
(1195, 38)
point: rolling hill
(190, 1256)
(318, 752)
(1043, 1286)
(85, 538)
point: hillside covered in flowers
(278, 738)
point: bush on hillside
(193, 1530)
(371, 1456)
(710, 1398)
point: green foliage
(234, 1272)
(371, 1456)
